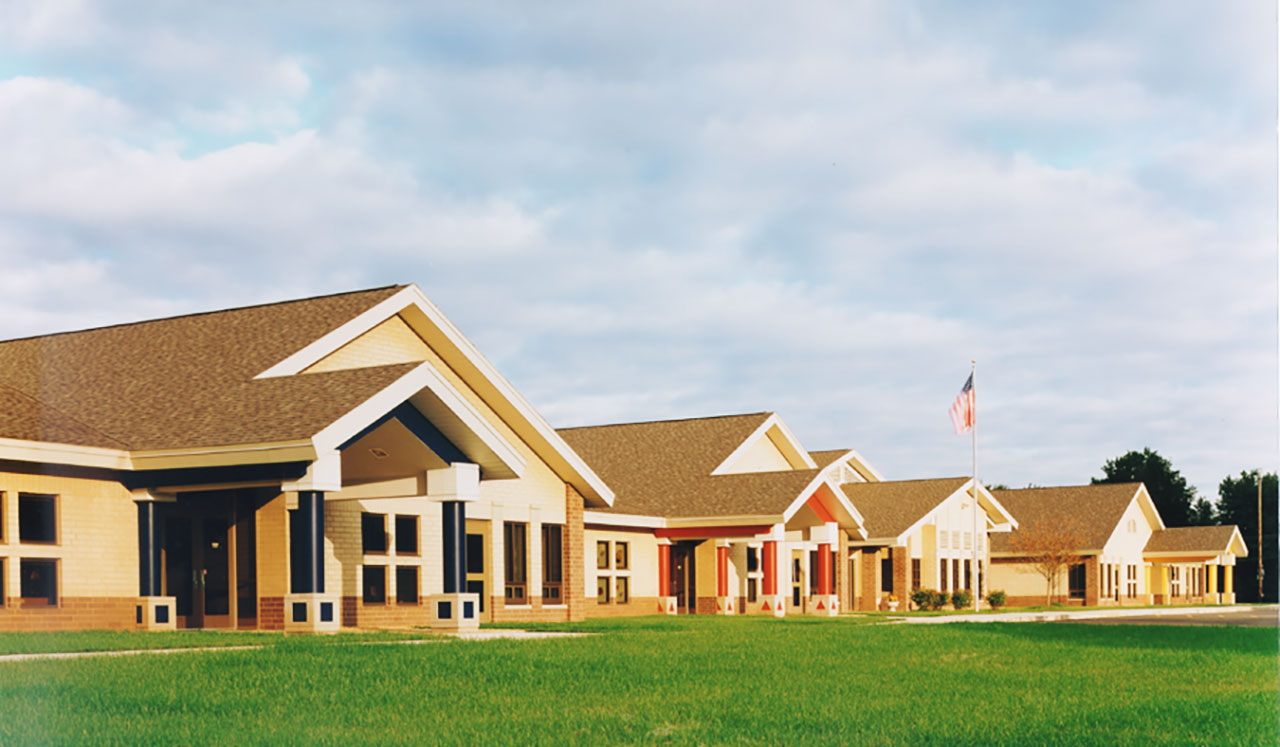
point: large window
(602, 555)
(942, 574)
(1131, 581)
(915, 573)
(406, 535)
(407, 584)
(1076, 581)
(375, 584)
(602, 590)
(516, 559)
(623, 589)
(621, 556)
(552, 564)
(39, 582)
(2, 594)
(753, 559)
(475, 553)
(968, 575)
(373, 533)
(886, 574)
(37, 519)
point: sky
(656, 210)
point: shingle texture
(664, 468)
(890, 508)
(186, 381)
(824, 458)
(1096, 509)
(1208, 540)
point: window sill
(546, 606)
(517, 606)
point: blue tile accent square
(444, 610)
(326, 612)
(299, 612)
(468, 610)
(162, 613)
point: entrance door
(684, 575)
(201, 559)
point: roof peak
(668, 420)
(205, 313)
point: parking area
(1253, 617)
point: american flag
(962, 410)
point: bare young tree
(1050, 547)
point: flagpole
(977, 593)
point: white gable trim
(458, 352)
(762, 432)
(859, 464)
(984, 496)
(20, 450)
(843, 500)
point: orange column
(664, 570)
(722, 571)
(824, 569)
(770, 560)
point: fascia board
(223, 456)
(860, 465)
(685, 522)
(422, 377)
(20, 450)
(1142, 495)
(841, 498)
(607, 518)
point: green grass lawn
(688, 680)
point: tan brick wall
(1092, 580)
(272, 540)
(901, 576)
(97, 535)
(637, 606)
(73, 613)
(575, 558)
(871, 579)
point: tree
(1203, 513)
(1238, 504)
(1169, 490)
(1051, 548)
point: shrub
(961, 599)
(922, 598)
(939, 600)
(996, 599)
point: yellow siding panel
(391, 342)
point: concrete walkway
(1069, 615)
(133, 652)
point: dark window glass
(375, 584)
(406, 535)
(297, 550)
(751, 590)
(915, 573)
(602, 590)
(1075, 581)
(602, 555)
(835, 567)
(813, 573)
(37, 518)
(886, 575)
(955, 573)
(621, 556)
(552, 563)
(753, 559)
(968, 575)
(373, 531)
(516, 559)
(621, 583)
(477, 587)
(2, 594)
(942, 575)
(407, 584)
(39, 581)
(475, 553)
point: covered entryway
(209, 561)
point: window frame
(364, 585)
(515, 586)
(603, 585)
(417, 580)
(1074, 590)
(552, 560)
(49, 600)
(603, 555)
(621, 589)
(366, 532)
(415, 533)
(53, 521)
(621, 556)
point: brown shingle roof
(1096, 508)
(890, 508)
(188, 381)
(825, 458)
(663, 468)
(1207, 540)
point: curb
(1067, 615)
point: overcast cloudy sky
(650, 210)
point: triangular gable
(828, 503)
(996, 517)
(850, 466)
(392, 341)
(1146, 508)
(443, 339)
(770, 448)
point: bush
(996, 599)
(961, 599)
(938, 600)
(922, 598)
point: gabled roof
(824, 459)
(1096, 509)
(1211, 540)
(664, 468)
(185, 381)
(852, 458)
(891, 508)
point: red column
(770, 560)
(722, 571)
(824, 569)
(664, 570)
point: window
(1076, 581)
(37, 518)
(515, 557)
(602, 590)
(795, 571)
(1175, 580)
(406, 535)
(942, 539)
(2, 594)
(968, 540)
(1131, 579)
(955, 539)
(968, 575)
(942, 575)
(39, 582)
(407, 584)
(375, 584)
(475, 553)
(621, 556)
(552, 564)
(915, 573)
(602, 555)
(886, 574)
(621, 594)
(982, 583)
(373, 532)
(2, 523)
(753, 559)
(955, 573)
(751, 590)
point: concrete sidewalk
(1068, 615)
